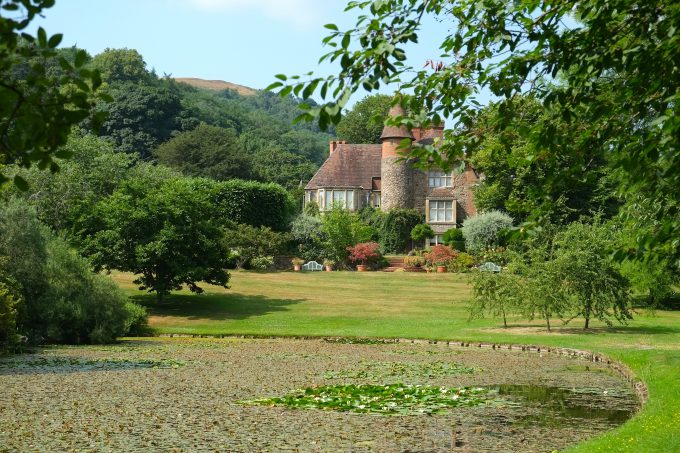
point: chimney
(433, 131)
(333, 144)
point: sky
(241, 41)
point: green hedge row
(254, 203)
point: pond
(304, 395)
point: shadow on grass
(217, 307)
(599, 330)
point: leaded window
(438, 178)
(441, 211)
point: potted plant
(364, 253)
(414, 263)
(440, 256)
(297, 264)
(329, 263)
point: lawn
(431, 306)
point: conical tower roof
(394, 131)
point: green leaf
(42, 37)
(273, 86)
(20, 183)
(55, 40)
(331, 27)
(81, 58)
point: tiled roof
(349, 166)
(396, 131)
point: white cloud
(300, 12)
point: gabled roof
(349, 166)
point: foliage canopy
(610, 67)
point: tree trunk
(547, 320)
(505, 322)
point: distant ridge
(217, 85)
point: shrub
(63, 300)
(453, 237)
(342, 229)
(247, 242)
(395, 229)
(8, 319)
(421, 232)
(484, 231)
(440, 255)
(463, 262)
(414, 261)
(297, 261)
(262, 263)
(364, 253)
(306, 232)
(311, 209)
(79, 305)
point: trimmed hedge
(254, 203)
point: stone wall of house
(419, 189)
(396, 179)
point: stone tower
(396, 177)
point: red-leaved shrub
(364, 252)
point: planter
(329, 268)
(361, 268)
(413, 269)
(297, 267)
(441, 269)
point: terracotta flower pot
(297, 267)
(329, 268)
(361, 268)
(441, 269)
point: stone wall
(396, 179)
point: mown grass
(430, 306)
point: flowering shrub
(297, 261)
(440, 255)
(364, 252)
(414, 261)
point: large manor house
(354, 176)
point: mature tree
(311, 145)
(281, 167)
(365, 122)
(628, 48)
(209, 151)
(122, 65)
(37, 106)
(140, 117)
(169, 236)
(62, 200)
(514, 178)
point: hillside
(217, 85)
